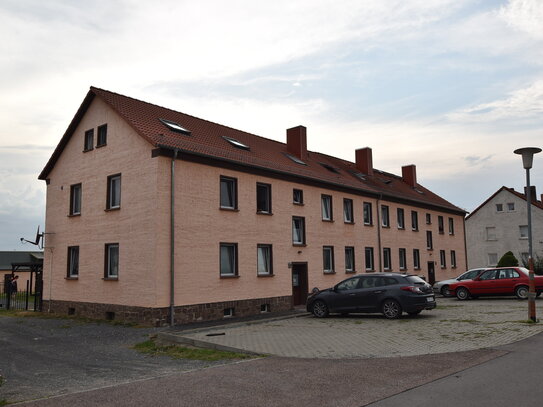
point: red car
(497, 281)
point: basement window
(236, 143)
(228, 312)
(264, 308)
(175, 127)
(295, 159)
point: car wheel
(320, 309)
(521, 292)
(462, 293)
(414, 313)
(391, 309)
(445, 291)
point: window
(385, 218)
(73, 262)
(102, 136)
(429, 242)
(236, 143)
(298, 230)
(298, 196)
(114, 191)
(499, 207)
(403, 261)
(387, 261)
(428, 219)
(492, 259)
(369, 258)
(264, 260)
(295, 159)
(442, 259)
(89, 140)
(175, 127)
(229, 193)
(416, 259)
(368, 217)
(348, 210)
(326, 207)
(414, 220)
(229, 259)
(328, 259)
(491, 233)
(453, 259)
(75, 199)
(401, 220)
(451, 226)
(263, 198)
(523, 230)
(349, 260)
(112, 261)
(350, 284)
(510, 206)
(440, 224)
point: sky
(452, 86)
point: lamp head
(527, 154)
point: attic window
(387, 181)
(419, 191)
(236, 143)
(330, 168)
(175, 127)
(359, 175)
(295, 159)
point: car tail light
(412, 288)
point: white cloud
(526, 103)
(525, 16)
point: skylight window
(387, 181)
(359, 175)
(419, 191)
(330, 168)
(175, 127)
(236, 143)
(295, 159)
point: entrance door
(299, 283)
(431, 273)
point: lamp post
(527, 154)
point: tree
(508, 260)
(538, 264)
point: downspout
(172, 239)
(379, 233)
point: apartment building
(154, 215)
(500, 225)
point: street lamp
(527, 160)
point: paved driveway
(452, 327)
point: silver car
(442, 287)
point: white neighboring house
(500, 224)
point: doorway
(431, 273)
(299, 283)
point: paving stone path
(452, 327)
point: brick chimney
(364, 160)
(533, 195)
(297, 142)
(409, 175)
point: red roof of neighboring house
(537, 204)
(206, 139)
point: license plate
(430, 299)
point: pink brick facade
(141, 227)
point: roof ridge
(186, 114)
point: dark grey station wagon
(387, 293)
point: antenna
(39, 236)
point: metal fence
(25, 299)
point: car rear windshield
(415, 280)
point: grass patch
(149, 347)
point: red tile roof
(206, 139)
(536, 203)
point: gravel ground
(46, 357)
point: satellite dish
(37, 241)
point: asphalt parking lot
(87, 362)
(453, 326)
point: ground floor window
(112, 260)
(349, 260)
(228, 259)
(387, 261)
(264, 260)
(73, 261)
(328, 259)
(369, 259)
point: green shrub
(508, 260)
(538, 264)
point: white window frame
(387, 260)
(113, 186)
(75, 199)
(368, 254)
(73, 262)
(326, 207)
(228, 193)
(298, 230)
(328, 259)
(349, 258)
(264, 263)
(112, 261)
(442, 259)
(348, 216)
(385, 216)
(367, 212)
(228, 259)
(403, 258)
